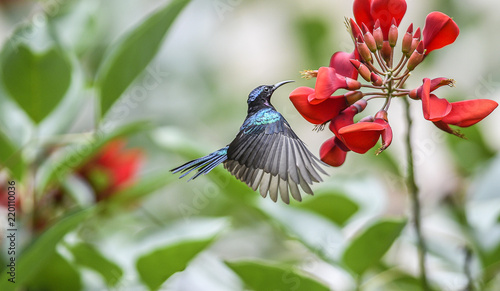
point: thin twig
(380, 63)
(413, 190)
(373, 69)
(373, 87)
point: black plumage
(266, 154)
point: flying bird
(266, 153)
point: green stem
(467, 271)
(413, 190)
(359, 282)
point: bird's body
(266, 154)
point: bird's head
(263, 93)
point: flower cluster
(375, 35)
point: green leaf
(132, 54)
(11, 157)
(333, 206)
(369, 247)
(404, 282)
(469, 153)
(37, 82)
(260, 276)
(157, 266)
(88, 256)
(38, 254)
(76, 155)
(56, 275)
(314, 34)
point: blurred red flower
(112, 169)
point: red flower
(112, 169)
(439, 31)
(317, 113)
(443, 113)
(386, 134)
(361, 137)
(346, 117)
(333, 152)
(369, 11)
(328, 81)
(340, 61)
(433, 107)
(469, 112)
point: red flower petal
(361, 136)
(362, 13)
(327, 82)
(127, 167)
(440, 82)
(445, 127)
(340, 61)
(435, 84)
(381, 118)
(433, 107)
(385, 11)
(117, 165)
(317, 113)
(368, 11)
(345, 118)
(439, 31)
(469, 112)
(332, 153)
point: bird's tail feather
(204, 164)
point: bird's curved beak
(277, 85)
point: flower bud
(378, 35)
(352, 84)
(353, 96)
(363, 50)
(360, 105)
(386, 52)
(407, 40)
(362, 69)
(414, 94)
(356, 32)
(376, 79)
(416, 57)
(393, 33)
(415, 41)
(382, 114)
(369, 39)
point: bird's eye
(266, 89)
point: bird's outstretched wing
(268, 155)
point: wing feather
(273, 188)
(283, 184)
(264, 184)
(270, 157)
